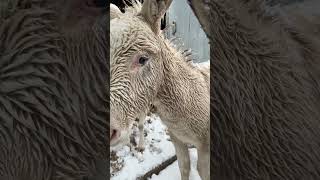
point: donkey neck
(182, 87)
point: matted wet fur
(145, 69)
(53, 85)
(265, 103)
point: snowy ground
(128, 164)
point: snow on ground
(172, 171)
(128, 164)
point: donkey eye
(143, 60)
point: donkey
(145, 68)
(187, 53)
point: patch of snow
(172, 172)
(158, 148)
(203, 64)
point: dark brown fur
(53, 85)
(265, 103)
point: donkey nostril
(114, 134)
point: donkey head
(136, 63)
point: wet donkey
(145, 69)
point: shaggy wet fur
(187, 56)
(179, 90)
(265, 103)
(53, 70)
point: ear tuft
(114, 11)
(152, 11)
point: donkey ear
(114, 11)
(152, 11)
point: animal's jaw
(119, 138)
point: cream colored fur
(180, 91)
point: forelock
(127, 32)
(122, 27)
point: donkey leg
(141, 134)
(182, 156)
(203, 164)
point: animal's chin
(114, 143)
(120, 139)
